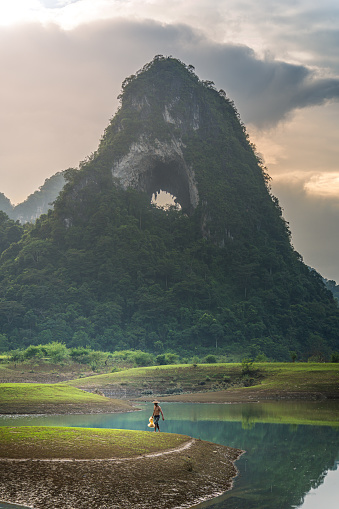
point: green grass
(300, 377)
(186, 374)
(287, 377)
(44, 394)
(42, 442)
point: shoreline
(185, 476)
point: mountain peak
(108, 269)
(166, 117)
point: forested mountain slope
(36, 203)
(108, 269)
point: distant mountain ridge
(37, 203)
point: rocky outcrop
(151, 166)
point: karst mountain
(213, 273)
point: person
(156, 415)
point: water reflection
(283, 462)
(327, 495)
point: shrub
(261, 357)
(210, 359)
(293, 356)
(171, 358)
(80, 354)
(335, 357)
(57, 351)
(160, 359)
(143, 358)
(16, 356)
(35, 351)
(132, 358)
(167, 358)
(246, 366)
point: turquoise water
(285, 466)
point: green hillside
(35, 398)
(288, 378)
(109, 270)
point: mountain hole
(164, 200)
(166, 183)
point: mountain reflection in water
(282, 463)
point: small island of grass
(48, 467)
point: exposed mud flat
(245, 395)
(178, 478)
(106, 406)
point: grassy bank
(43, 442)
(54, 398)
(176, 381)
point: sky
(62, 63)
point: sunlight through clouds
(325, 184)
(18, 11)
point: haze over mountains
(35, 204)
(108, 269)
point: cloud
(303, 148)
(324, 184)
(313, 220)
(59, 87)
(266, 91)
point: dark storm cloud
(265, 90)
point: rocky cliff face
(155, 159)
(178, 134)
(151, 166)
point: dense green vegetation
(333, 287)
(81, 443)
(108, 270)
(55, 354)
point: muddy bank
(107, 406)
(181, 477)
(245, 395)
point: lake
(286, 464)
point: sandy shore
(181, 477)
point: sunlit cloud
(16, 11)
(325, 184)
